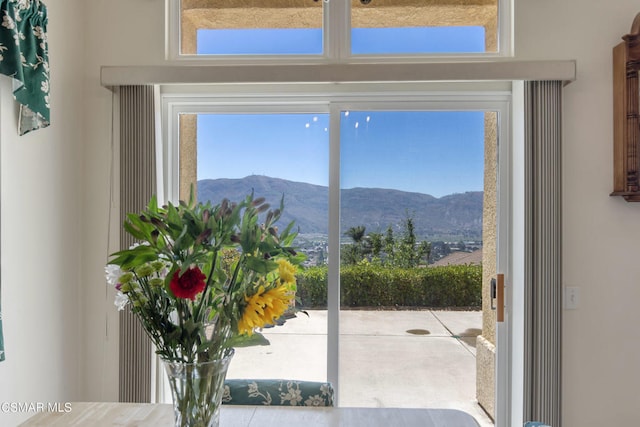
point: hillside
(453, 217)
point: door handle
(500, 298)
(497, 294)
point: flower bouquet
(202, 280)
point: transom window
(337, 30)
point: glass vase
(196, 389)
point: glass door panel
(274, 156)
(412, 201)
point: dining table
(108, 414)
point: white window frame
(336, 40)
(488, 96)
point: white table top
(107, 414)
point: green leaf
(137, 228)
(298, 258)
(259, 265)
(286, 236)
(130, 258)
(245, 340)
(152, 207)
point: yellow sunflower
(264, 307)
(287, 272)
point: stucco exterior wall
(486, 342)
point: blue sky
(435, 153)
(289, 146)
(301, 41)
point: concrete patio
(421, 358)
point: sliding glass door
(381, 192)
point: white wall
(123, 32)
(55, 210)
(41, 216)
(600, 233)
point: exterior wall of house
(486, 342)
(60, 323)
(42, 203)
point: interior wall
(41, 248)
(122, 33)
(600, 233)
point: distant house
(460, 258)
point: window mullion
(333, 279)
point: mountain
(453, 217)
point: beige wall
(59, 327)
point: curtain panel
(137, 186)
(543, 285)
(24, 57)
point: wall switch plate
(571, 297)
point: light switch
(571, 297)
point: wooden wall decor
(626, 121)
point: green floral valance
(24, 57)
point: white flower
(173, 316)
(314, 401)
(23, 4)
(8, 23)
(121, 300)
(325, 389)
(293, 395)
(44, 86)
(38, 32)
(112, 273)
(136, 244)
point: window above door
(295, 31)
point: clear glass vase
(196, 389)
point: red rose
(189, 284)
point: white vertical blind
(137, 185)
(543, 283)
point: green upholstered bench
(277, 392)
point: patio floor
(389, 358)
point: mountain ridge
(455, 217)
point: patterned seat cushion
(277, 392)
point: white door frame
(506, 98)
(509, 403)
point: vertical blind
(543, 284)
(137, 185)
